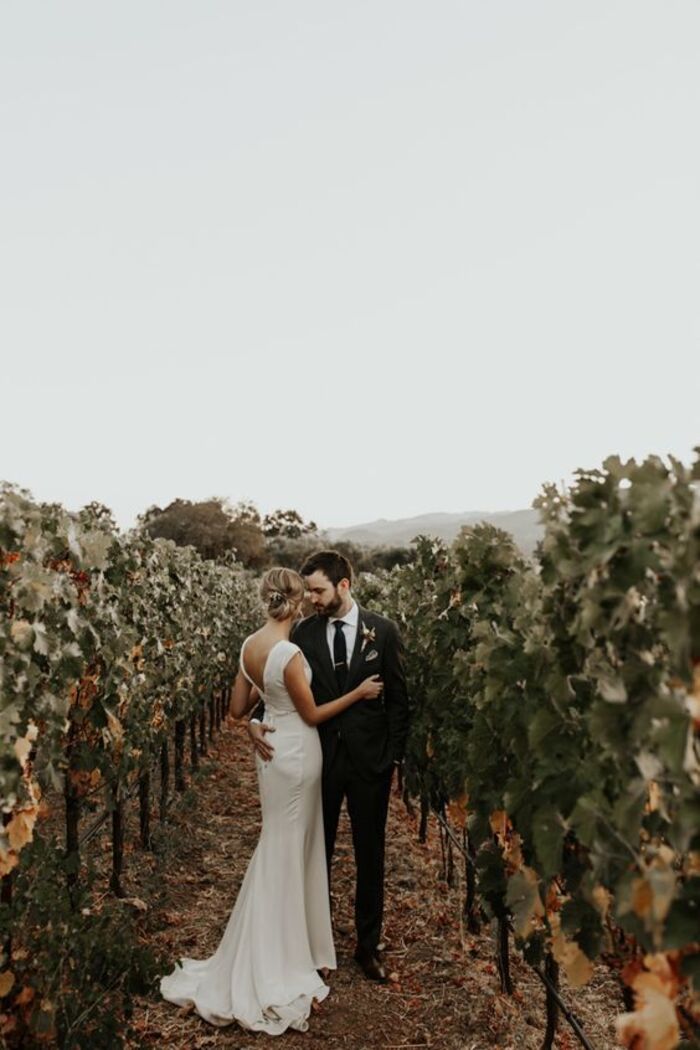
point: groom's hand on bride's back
(256, 731)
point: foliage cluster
(217, 529)
(106, 642)
(76, 964)
(557, 714)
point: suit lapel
(355, 658)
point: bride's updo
(282, 592)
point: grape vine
(109, 645)
(557, 720)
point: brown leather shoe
(371, 965)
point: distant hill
(523, 525)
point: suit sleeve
(396, 692)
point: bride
(264, 973)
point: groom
(345, 644)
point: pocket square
(371, 655)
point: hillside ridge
(524, 525)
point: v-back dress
(264, 972)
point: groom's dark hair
(332, 563)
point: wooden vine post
(551, 970)
(471, 909)
(424, 813)
(117, 802)
(72, 803)
(164, 779)
(450, 864)
(203, 728)
(502, 955)
(145, 804)
(194, 750)
(180, 784)
(6, 894)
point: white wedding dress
(263, 973)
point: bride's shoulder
(287, 643)
(286, 651)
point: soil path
(446, 995)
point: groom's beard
(332, 608)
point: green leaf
(612, 689)
(671, 740)
(548, 836)
(523, 899)
(585, 818)
(683, 916)
(96, 547)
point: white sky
(365, 259)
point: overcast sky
(365, 259)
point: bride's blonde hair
(282, 592)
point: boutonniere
(369, 634)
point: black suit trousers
(368, 806)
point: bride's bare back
(258, 647)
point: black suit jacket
(374, 731)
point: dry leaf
(8, 861)
(512, 853)
(457, 811)
(498, 821)
(22, 749)
(602, 899)
(20, 830)
(654, 1021)
(116, 731)
(25, 996)
(7, 980)
(575, 963)
(642, 897)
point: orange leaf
(498, 821)
(25, 996)
(457, 811)
(7, 980)
(654, 1023)
(20, 830)
(575, 963)
(8, 861)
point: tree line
(217, 528)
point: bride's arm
(245, 696)
(303, 699)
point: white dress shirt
(350, 621)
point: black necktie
(340, 655)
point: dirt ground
(446, 994)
